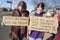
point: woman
(19, 32)
(37, 35)
(57, 16)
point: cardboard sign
(15, 21)
(43, 24)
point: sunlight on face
(20, 8)
(57, 11)
(39, 9)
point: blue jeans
(21, 37)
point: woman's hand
(14, 35)
(2, 24)
(29, 31)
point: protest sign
(15, 21)
(43, 24)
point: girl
(57, 16)
(19, 32)
(37, 35)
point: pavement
(4, 30)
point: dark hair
(41, 4)
(23, 4)
(57, 8)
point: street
(4, 30)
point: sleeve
(11, 29)
(27, 13)
(13, 12)
(12, 26)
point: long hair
(23, 4)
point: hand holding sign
(2, 24)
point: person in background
(37, 35)
(50, 14)
(57, 12)
(19, 32)
(57, 16)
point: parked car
(4, 9)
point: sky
(30, 6)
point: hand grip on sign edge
(2, 24)
(29, 31)
(14, 35)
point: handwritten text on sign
(16, 21)
(43, 24)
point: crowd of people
(19, 32)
